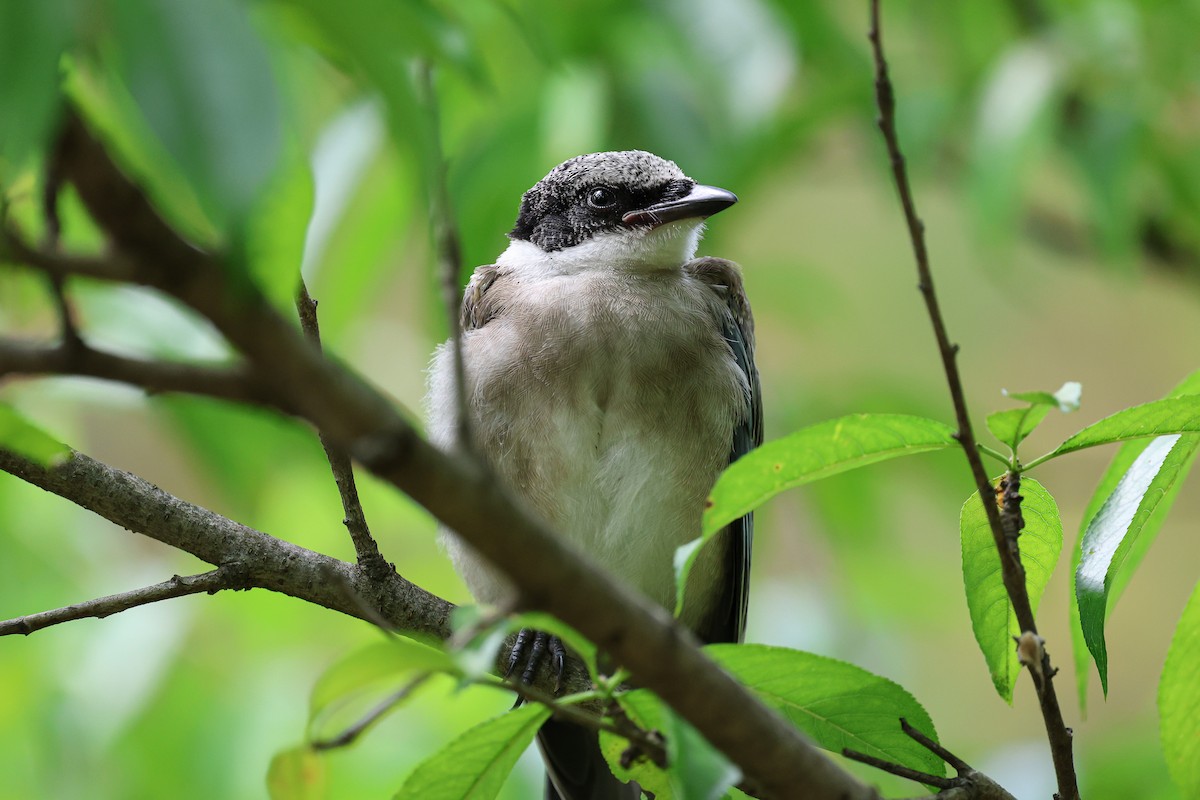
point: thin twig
(1013, 572)
(365, 547)
(899, 770)
(352, 733)
(449, 251)
(231, 576)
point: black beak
(701, 201)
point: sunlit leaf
(24, 438)
(1179, 701)
(297, 774)
(695, 769)
(1120, 465)
(1158, 418)
(397, 658)
(992, 616)
(474, 766)
(817, 452)
(838, 704)
(1013, 425)
(1115, 528)
(275, 232)
(807, 455)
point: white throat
(635, 250)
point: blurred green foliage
(1054, 145)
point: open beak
(702, 201)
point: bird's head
(628, 209)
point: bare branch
(237, 383)
(355, 520)
(1010, 563)
(220, 579)
(265, 562)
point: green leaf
(1120, 464)
(838, 704)
(24, 438)
(33, 38)
(1013, 425)
(474, 766)
(297, 774)
(817, 452)
(1158, 418)
(807, 455)
(1152, 478)
(394, 658)
(992, 617)
(275, 232)
(1179, 701)
(204, 83)
(695, 769)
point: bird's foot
(530, 649)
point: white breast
(607, 400)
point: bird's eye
(602, 197)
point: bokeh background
(1053, 145)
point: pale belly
(612, 418)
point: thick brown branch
(1010, 562)
(220, 579)
(236, 382)
(553, 576)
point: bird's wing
(477, 309)
(728, 624)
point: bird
(609, 379)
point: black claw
(518, 651)
(536, 653)
(529, 650)
(560, 662)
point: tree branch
(220, 579)
(355, 520)
(237, 383)
(552, 575)
(1012, 570)
(264, 561)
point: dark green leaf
(992, 617)
(838, 704)
(24, 438)
(1115, 528)
(297, 774)
(474, 766)
(203, 81)
(1179, 701)
(33, 37)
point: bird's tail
(575, 768)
